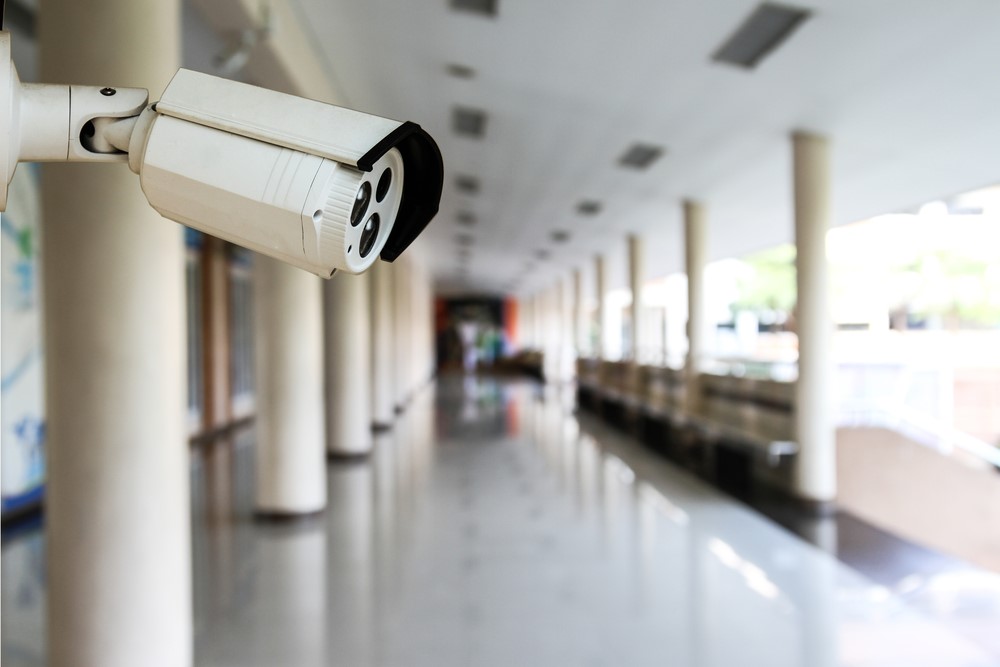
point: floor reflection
(492, 527)
(22, 567)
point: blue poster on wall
(22, 416)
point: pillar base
(785, 500)
(283, 516)
(814, 508)
(347, 457)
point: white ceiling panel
(906, 89)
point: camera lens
(361, 203)
(368, 235)
(384, 181)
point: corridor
(491, 528)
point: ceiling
(907, 90)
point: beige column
(523, 323)
(382, 348)
(695, 259)
(637, 275)
(602, 310)
(580, 346)
(414, 349)
(550, 332)
(288, 327)
(553, 337)
(567, 331)
(402, 330)
(347, 333)
(117, 506)
(430, 331)
(215, 334)
(815, 476)
(538, 319)
(421, 326)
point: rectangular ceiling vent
(762, 32)
(468, 122)
(481, 7)
(460, 71)
(640, 156)
(467, 185)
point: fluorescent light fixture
(482, 7)
(469, 122)
(460, 71)
(467, 185)
(762, 32)
(640, 156)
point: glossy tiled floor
(489, 529)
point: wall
(22, 413)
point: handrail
(914, 423)
(786, 370)
(889, 413)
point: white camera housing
(226, 158)
(318, 186)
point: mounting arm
(61, 123)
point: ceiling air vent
(640, 156)
(588, 207)
(468, 122)
(762, 32)
(460, 71)
(467, 185)
(482, 7)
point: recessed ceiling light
(460, 71)
(640, 156)
(465, 218)
(483, 7)
(468, 185)
(762, 32)
(560, 236)
(588, 207)
(468, 122)
(464, 239)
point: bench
(748, 427)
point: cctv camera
(318, 186)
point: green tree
(770, 284)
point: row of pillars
(334, 360)
(561, 331)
